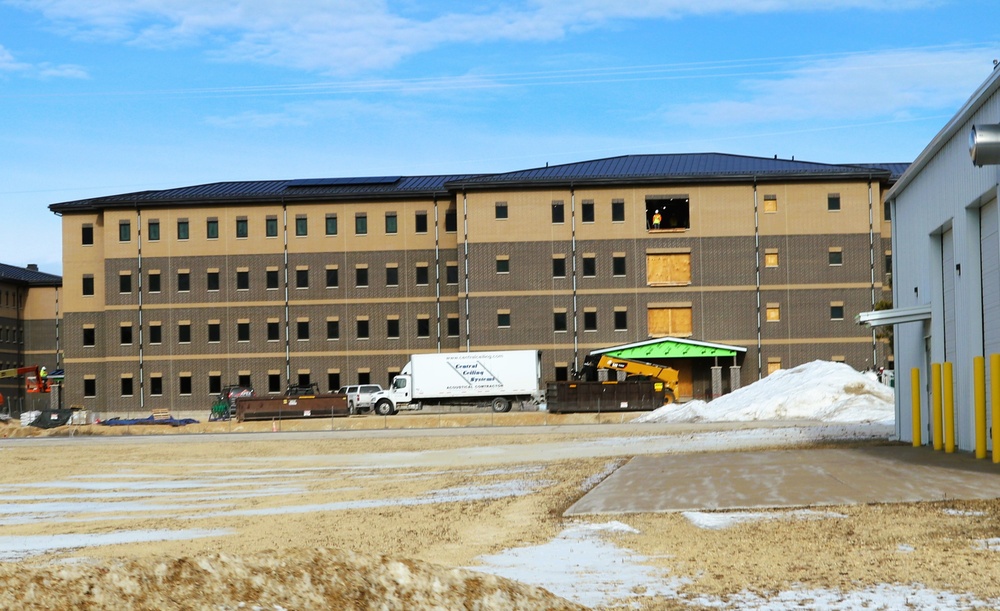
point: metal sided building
(946, 281)
(172, 294)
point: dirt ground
(340, 537)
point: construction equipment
(635, 370)
(35, 378)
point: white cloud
(9, 64)
(348, 37)
(891, 84)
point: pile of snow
(819, 391)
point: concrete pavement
(789, 478)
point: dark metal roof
(31, 277)
(671, 168)
(702, 167)
(895, 169)
(270, 190)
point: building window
(453, 326)
(590, 320)
(243, 331)
(124, 231)
(587, 211)
(302, 330)
(360, 224)
(836, 256)
(125, 283)
(242, 227)
(420, 222)
(559, 321)
(183, 229)
(89, 337)
(617, 211)
(333, 328)
(183, 282)
(362, 324)
(833, 202)
(214, 384)
(503, 319)
(618, 264)
(559, 266)
(214, 332)
(184, 383)
(273, 331)
(301, 225)
(391, 224)
(331, 224)
(886, 212)
(558, 212)
(503, 264)
(184, 332)
(302, 278)
(154, 231)
(271, 278)
(212, 280)
(155, 386)
(674, 213)
(361, 276)
(242, 280)
(332, 277)
(770, 203)
(668, 269)
(243, 379)
(274, 383)
(773, 312)
(837, 310)
(589, 266)
(771, 257)
(500, 211)
(675, 320)
(212, 229)
(392, 275)
(90, 387)
(392, 328)
(271, 227)
(87, 237)
(154, 282)
(621, 319)
(333, 380)
(450, 220)
(126, 335)
(451, 272)
(155, 333)
(423, 275)
(423, 326)
(88, 285)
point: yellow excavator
(635, 370)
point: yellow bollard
(995, 403)
(979, 397)
(948, 391)
(915, 399)
(936, 405)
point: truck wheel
(384, 408)
(500, 404)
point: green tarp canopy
(670, 349)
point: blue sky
(111, 96)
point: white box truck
(495, 379)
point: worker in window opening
(657, 219)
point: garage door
(948, 284)
(989, 252)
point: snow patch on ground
(819, 391)
(721, 520)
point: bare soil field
(326, 520)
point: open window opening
(668, 213)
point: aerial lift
(635, 370)
(35, 378)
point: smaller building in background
(29, 328)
